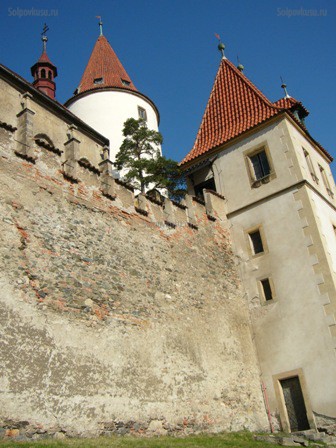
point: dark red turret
(44, 71)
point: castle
(122, 313)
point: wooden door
(295, 404)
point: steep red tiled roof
(289, 103)
(104, 63)
(235, 105)
(286, 102)
(45, 58)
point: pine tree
(140, 155)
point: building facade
(279, 193)
(131, 315)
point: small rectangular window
(125, 82)
(325, 181)
(266, 289)
(142, 113)
(310, 165)
(256, 242)
(260, 165)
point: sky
(169, 49)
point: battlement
(65, 154)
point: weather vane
(221, 46)
(100, 25)
(44, 36)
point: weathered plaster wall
(110, 322)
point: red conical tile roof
(104, 69)
(235, 105)
(45, 58)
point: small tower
(44, 71)
(281, 209)
(106, 96)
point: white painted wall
(295, 331)
(107, 112)
(292, 332)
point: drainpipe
(263, 387)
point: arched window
(43, 73)
(49, 74)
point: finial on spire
(221, 46)
(240, 66)
(44, 37)
(100, 24)
(284, 86)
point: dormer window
(125, 82)
(142, 113)
(98, 81)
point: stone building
(280, 199)
(119, 314)
(123, 314)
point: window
(43, 73)
(325, 181)
(142, 113)
(256, 242)
(49, 74)
(310, 165)
(126, 83)
(260, 165)
(266, 289)
(98, 81)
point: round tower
(106, 96)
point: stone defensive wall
(119, 314)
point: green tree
(140, 156)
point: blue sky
(169, 50)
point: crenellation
(25, 128)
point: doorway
(295, 404)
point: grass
(231, 440)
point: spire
(284, 86)
(104, 70)
(235, 105)
(100, 24)
(44, 71)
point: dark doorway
(208, 185)
(295, 405)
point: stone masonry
(117, 315)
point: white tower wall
(107, 111)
